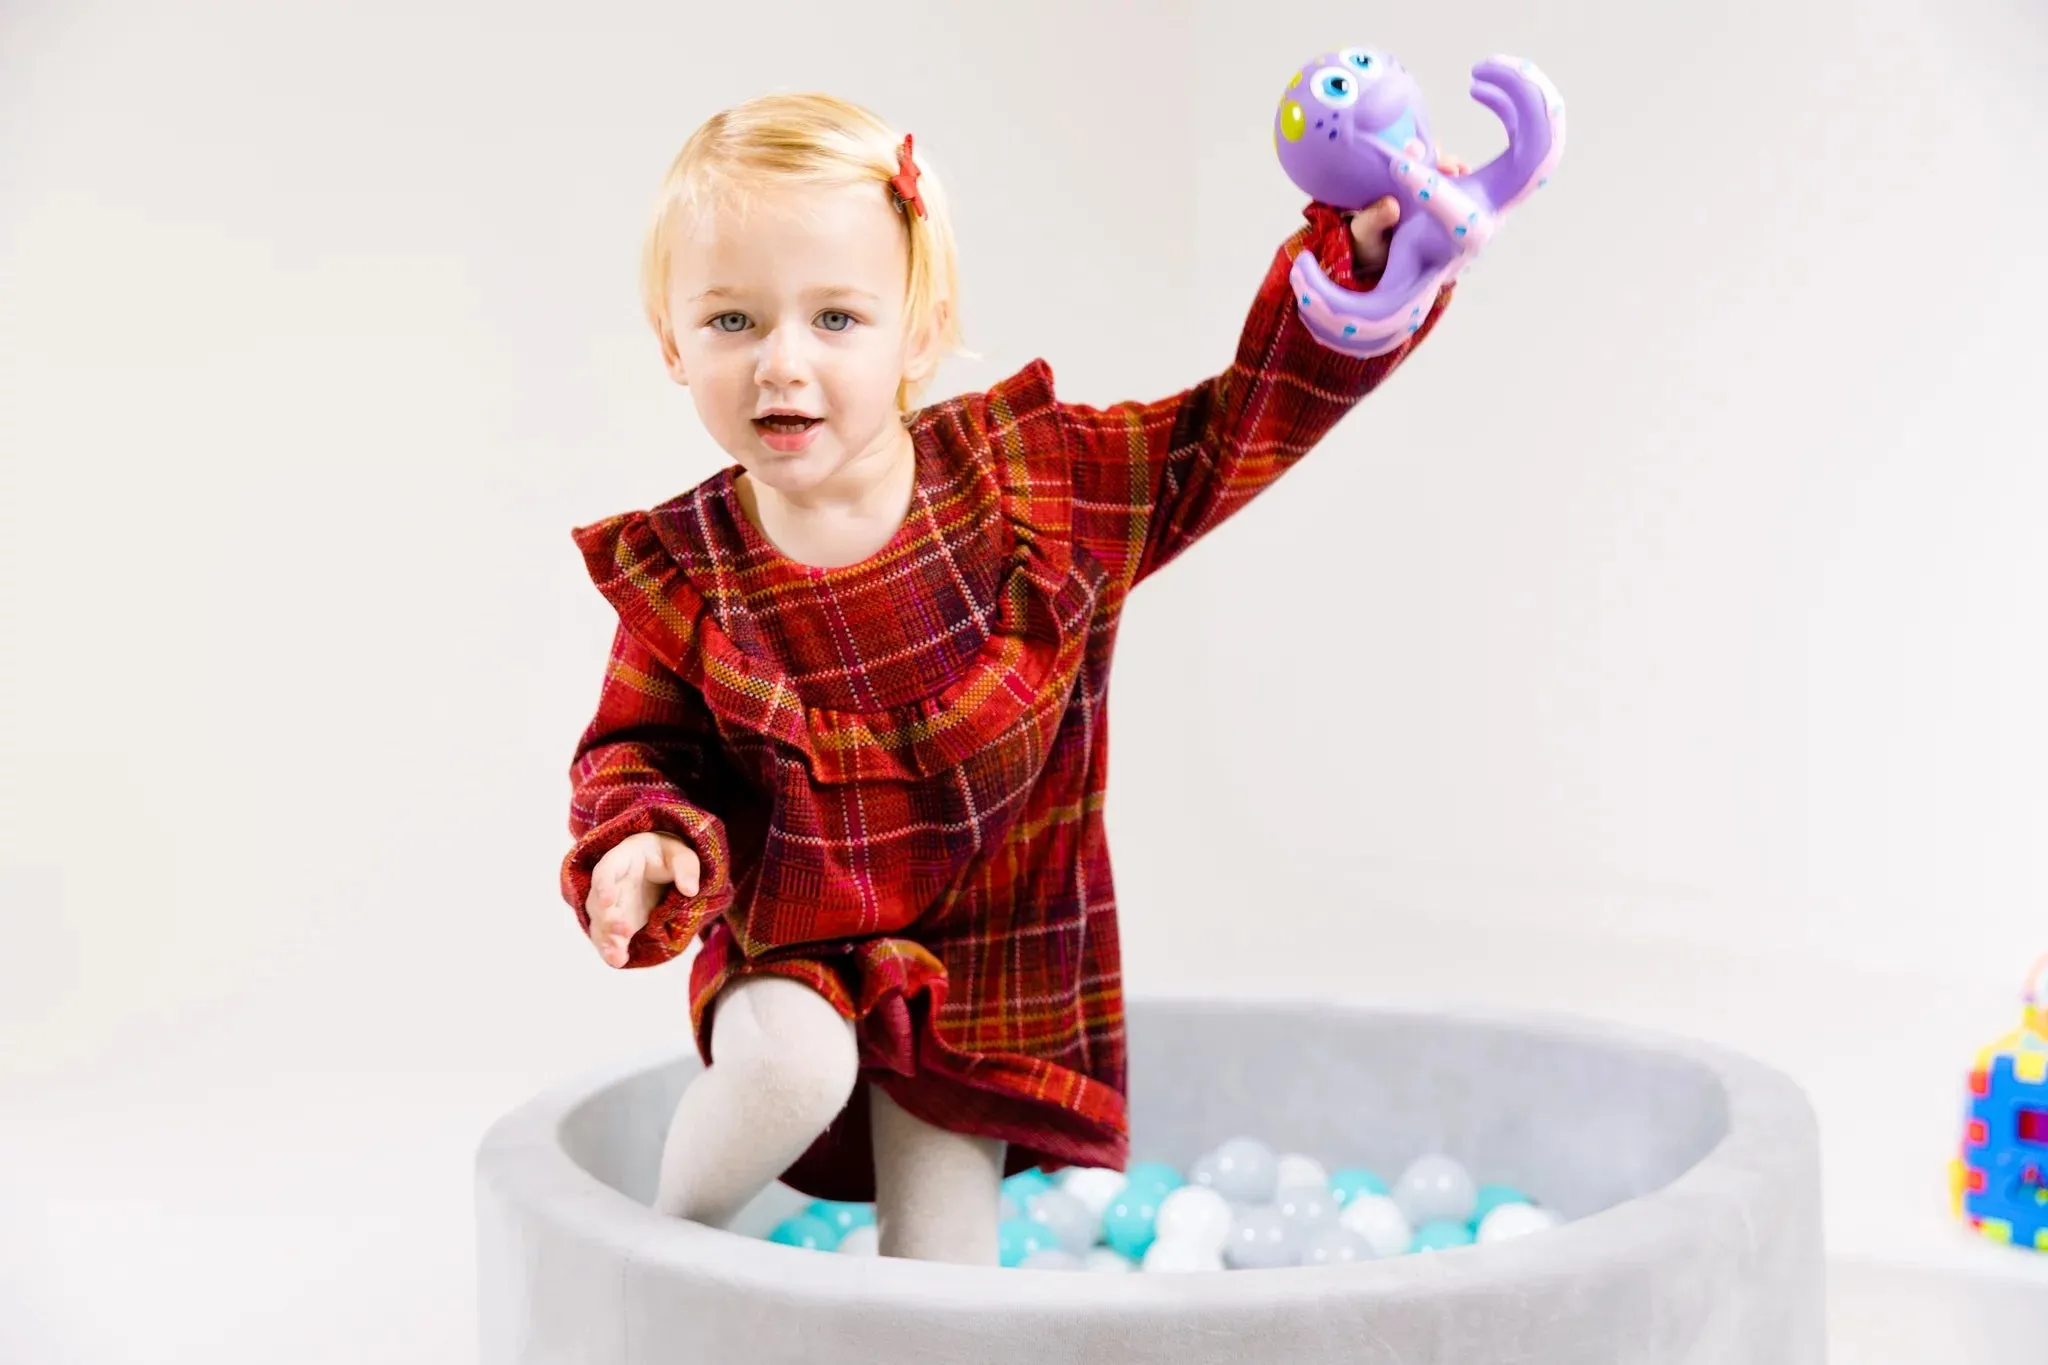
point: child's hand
(625, 886)
(1373, 225)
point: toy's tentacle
(1358, 324)
(1531, 109)
(1467, 222)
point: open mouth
(788, 426)
(1400, 133)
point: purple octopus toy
(1351, 130)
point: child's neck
(849, 519)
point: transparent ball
(861, 1241)
(1260, 1240)
(1245, 1171)
(1094, 1186)
(1295, 1169)
(1067, 1219)
(1195, 1216)
(1379, 1220)
(1335, 1246)
(1436, 1188)
(1515, 1220)
(1181, 1257)
(1307, 1210)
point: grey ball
(1067, 1219)
(1335, 1246)
(1246, 1171)
(1436, 1187)
(1259, 1240)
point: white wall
(1668, 620)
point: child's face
(800, 311)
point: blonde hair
(783, 139)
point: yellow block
(1956, 1177)
(2031, 1067)
(1997, 1229)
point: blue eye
(1367, 63)
(845, 319)
(1335, 88)
(720, 320)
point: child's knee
(788, 1046)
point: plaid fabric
(893, 771)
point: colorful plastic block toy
(1999, 1181)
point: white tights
(783, 1065)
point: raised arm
(1152, 478)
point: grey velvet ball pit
(1691, 1177)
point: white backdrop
(1681, 595)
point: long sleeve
(646, 762)
(1152, 478)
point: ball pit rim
(522, 1160)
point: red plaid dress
(893, 772)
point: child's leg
(783, 1065)
(935, 1192)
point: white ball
(1094, 1186)
(861, 1241)
(1196, 1217)
(1379, 1220)
(1296, 1169)
(1515, 1220)
(1436, 1188)
(1181, 1257)
(1108, 1261)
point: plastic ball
(1181, 1257)
(1335, 1246)
(1196, 1216)
(1108, 1262)
(1094, 1186)
(1379, 1220)
(1008, 1208)
(1295, 1169)
(1021, 1186)
(844, 1218)
(1348, 1182)
(1203, 1172)
(1436, 1188)
(1066, 1218)
(812, 1234)
(1131, 1221)
(865, 1240)
(1307, 1209)
(1158, 1175)
(1441, 1234)
(1491, 1197)
(1050, 1260)
(1245, 1171)
(1515, 1220)
(1019, 1239)
(1259, 1240)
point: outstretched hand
(1372, 227)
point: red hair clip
(904, 183)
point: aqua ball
(1348, 1182)
(1019, 1239)
(1021, 1186)
(844, 1218)
(1492, 1197)
(1131, 1221)
(1441, 1234)
(806, 1231)
(1154, 1175)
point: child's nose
(781, 359)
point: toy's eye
(1338, 89)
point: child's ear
(670, 359)
(922, 355)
